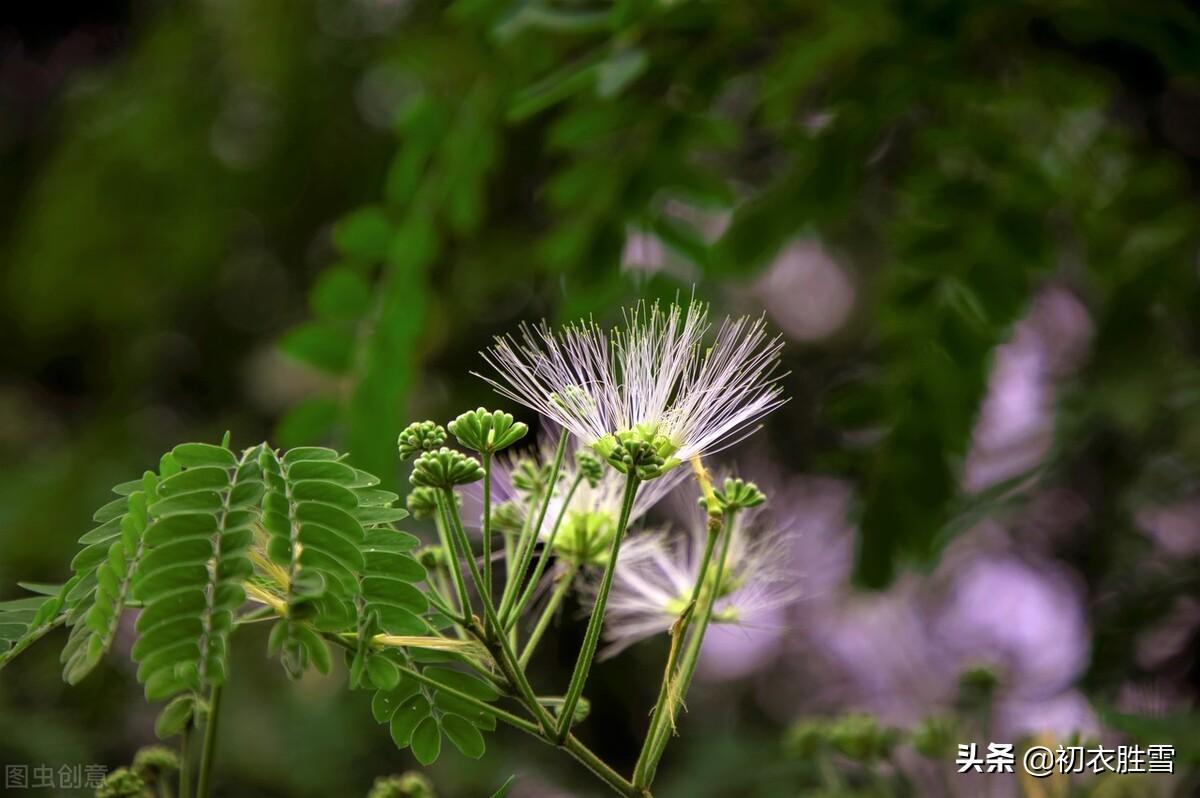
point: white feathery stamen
(658, 572)
(653, 376)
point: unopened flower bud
(420, 436)
(445, 468)
(484, 431)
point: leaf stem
(208, 753)
(560, 590)
(587, 651)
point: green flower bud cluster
(409, 785)
(589, 466)
(508, 517)
(432, 557)
(123, 783)
(531, 479)
(738, 494)
(653, 452)
(154, 762)
(420, 436)
(572, 398)
(487, 432)
(857, 736)
(935, 737)
(637, 456)
(860, 737)
(445, 468)
(422, 503)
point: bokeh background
(975, 223)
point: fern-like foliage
(24, 620)
(190, 579)
(104, 570)
(299, 534)
(310, 515)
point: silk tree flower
(653, 381)
(657, 575)
(589, 513)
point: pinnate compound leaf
(111, 562)
(191, 579)
(313, 535)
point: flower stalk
(591, 638)
(208, 753)
(525, 548)
(560, 591)
(656, 740)
(544, 558)
(678, 634)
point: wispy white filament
(658, 572)
(654, 374)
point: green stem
(525, 551)
(664, 691)
(560, 591)
(209, 751)
(439, 604)
(691, 655)
(185, 761)
(508, 660)
(445, 502)
(508, 555)
(544, 558)
(592, 637)
(486, 458)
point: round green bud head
(420, 436)
(409, 785)
(805, 738)
(483, 431)
(445, 468)
(508, 517)
(154, 761)
(122, 783)
(589, 466)
(432, 557)
(637, 456)
(738, 494)
(422, 503)
(573, 399)
(934, 737)
(531, 479)
(860, 737)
